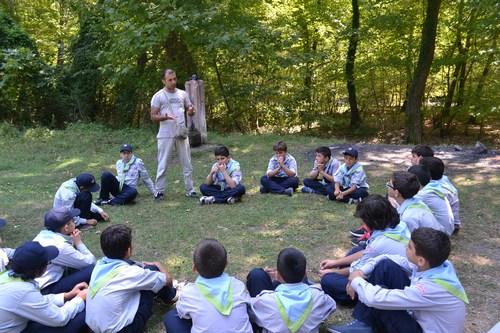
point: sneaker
(365, 236)
(354, 201)
(358, 242)
(358, 232)
(98, 201)
(263, 189)
(192, 194)
(159, 197)
(289, 191)
(231, 200)
(106, 202)
(178, 287)
(83, 227)
(354, 326)
(306, 189)
(205, 200)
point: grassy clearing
(34, 163)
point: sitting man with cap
(5, 253)
(123, 187)
(24, 309)
(75, 262)
(77, 193)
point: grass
(34, 163)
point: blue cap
(2, 223)
(126, 147)
(32, 255)
(88, 181)
(57, 217)
(351, 151)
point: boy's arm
(292, 170)
(314, 172)
(144, 175)
(210, 177)
(162, 269)
(342, 194)
(229, 181)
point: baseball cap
(2, 223)
(126, 147)
(57, 217)
(32, 255)
(351, 151)
(88, 181)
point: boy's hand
(350, 291)
(281, 160)
(271, 272)
(321, 167)
(323, 272)
(357, 273)
(328, 264)
(222, 167)
(336, 193)
(105, 216)
(215, 168)
(76, 237)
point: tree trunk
(413, 121)
(349, 66)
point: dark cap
(351, 151)
(88, 181)
(57, 217)
(32, 255)
(2, 223)
(126, 147)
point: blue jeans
(359, 192)
(317, 185)
(389, 275)
(279, 184)
(75, 325)
(83, 202)
(111, 185)
(222, 196)
(68, 282)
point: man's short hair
(221, 151)
(422, 172)
(291, 265)
(325, 151)
(280, 146)
(377, 212)
(167, 71)
(431, 244)
(210, 258)
(423, 150)
(435, 165)
(116, 240)
(406, 183)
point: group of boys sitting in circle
(397, 276)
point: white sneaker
(178, 286)
(206, 200)
(231, 201)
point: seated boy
(389, 236)
(436, 167)
(123, 187)
(432, 195)
(216, 302)
(403, 187)
(121, 291)
(75, 262)
(281, 176)
(322, 173)
(292, 306)
(223, 183)
(420, 151)
(77, 193)
(417, 293)
(24, 309)
(350, 180)
(5, 252)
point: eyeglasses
(389, 185)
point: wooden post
(197, 124)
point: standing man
(169, 106)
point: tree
(349, 66)
(413, 121)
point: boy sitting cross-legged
(281, 176)
(216, 302)
(416, 293)
(322, 173)
(121, 291)
(292, 305)
(223, 183)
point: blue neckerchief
(434, 187)
(446, 183)
(408, 202)
(102, 269)
(347, 174)
(71, 185)
(7, 276)
(230, 167)
(399, 233)
(446, 277)
(218, 287)
(54, 238)
(126, 167)
(296, 299)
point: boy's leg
(209, 190)
(75, 325)
(358, 193)
(290, 182)
(109, 185)
(175, 324)
(258, 280)
(167, 293)
(66, 283)
(317, 186)
(142, 315)
(127, 194)
(83, 202)
(334, 285)
(272, 185)
(329, 189)
(236, 192)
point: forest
(313, 66)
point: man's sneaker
(358, 242)
(205, 200)
(159, 197)
(231, 200)
(191, 194)
(289, 191)
(306, 189)
(354, 326)
(354, 201)
(83, 227)
(358, 232)
(263, 189)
